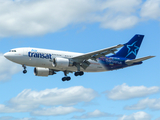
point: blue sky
(80, 26)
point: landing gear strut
(66, 78)
(78, 73)
(24, 71)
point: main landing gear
(24, 71)
(79, 73)
(66, 78)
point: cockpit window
(12, 51)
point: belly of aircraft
(35, 62)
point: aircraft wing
(96, 54)
(130, 62)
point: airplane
(48, 62)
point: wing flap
(130, 62)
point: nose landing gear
(24, 71)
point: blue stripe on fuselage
(113, 63)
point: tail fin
(131, 48)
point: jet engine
(38, 71)
(62, 62)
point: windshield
(12, 51)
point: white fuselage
(36, 57)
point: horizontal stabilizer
(130, 62)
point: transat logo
(132, 49)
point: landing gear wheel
(24, 71)
(76, 73)
(66, 79)
(79, 73)
(63, 79)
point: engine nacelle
(38, 71)
(62, 62)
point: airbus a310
(48, 62)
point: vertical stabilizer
(131, 48)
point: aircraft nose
(7, 55)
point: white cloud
(19, 108)
(158, 118)
(27, 17)
(124, 92)
(7, 68)
(153, 104)
(136, 116)
(55, 96)
(119, 14)
(54, 111)
(13, 118)
(151, 9)
(43, 16)
(94, 114)
(122, 6)
(7, 118)
(26, 119)
(28, 100)
(119, 22)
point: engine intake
(38, 71)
